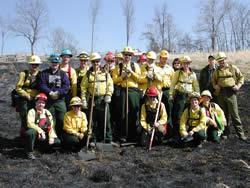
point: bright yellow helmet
(221, 56)
(34, 59)
(151, 55)
(164, 53)
(75, 101)
(119, 55)
(194, 95)
(185, 59)
(94, 56)
(206, 93)
(128, 49)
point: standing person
(70, 72)
(148, 115)
(176, 64)
(193, 121)
(82, 70)
(118, 58)
(103, 90)
(27, 88)
(142, 60)
(167, 73)
(40, 127)
(75, 126)
(227, 81)
(184, 83)
(206, 74)
(127, 75)
(215, 118)
(55, 84)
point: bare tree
(129, 12)
(4, 29)
(31, 19)
(94, 8)
(60, 39)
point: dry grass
(239, 58)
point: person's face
(194, 102)
(40, 104)
(206, 99)
(65, 59)
(152, 99)
(54, 66)
(127, 57)
(96, 64)
(221, 63)
(34, 67)
(177, 64)
(110, 63)
(141, 62)
(150, 61)
(211, 61)
(118, 60)
(186, 65)
(83, 63)
(163, 60)
(76, 108)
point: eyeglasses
(127, 54)
(96, 61)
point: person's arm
(143, 122)
(183, 123)
(31, 122)
(67, 124)
(73, 82)
(19, 85)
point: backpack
(43, 123)
(15, 97)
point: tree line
(222, 25)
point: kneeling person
(193, 121)
(75, 126)
(40, 127)
(148, 115)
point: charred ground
(214, 165)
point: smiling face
(83, 63)
(40, 104)
(194, 102)
(163, 60)
(221, 63)
(185, 65)
(152, 99)
(65, 59)
(206, 100)
(34, 67)
(54, 66)
(96, 64)
(127, 57)
(76, 108)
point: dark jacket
(205, 80)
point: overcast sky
(74, 17)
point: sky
(74, 17)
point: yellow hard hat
(119, 55)
(83, 56)
(94, 56)
(185, 59)
(75, 101)
(151, 55)
(164, 53)
(34, 59)
(128, 49)
(206, 93)
(194, 95)
(221, 56)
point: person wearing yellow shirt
(148, 114)
(167, 74)
(127, 75)
(216, 120)
(70, 72)
(75, 126)
(184, 82)
(40, 126)
(81, 70)
(102, 83)
(227, 81)
(27, 88)
(193, 122)
(118, 58)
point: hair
(176, 59)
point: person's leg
(30, 136)
(60, 109)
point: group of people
(124, 101)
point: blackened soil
(214, 165)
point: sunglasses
(127, 54)
(96, 61)
(77, 106)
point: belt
(165, 89)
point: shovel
(87, 155)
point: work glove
(157, 124)
(170, 98)
(150, 76)
(84, 104)
(42, 136)
(80, 135)
(51, 141)
(124, 75)
(158, 77)
(149, 131)
(107, 99)
(128, 70)
(54, 95)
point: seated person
(75, 126)
(148, 114)
(40, 127)
(193, 122)
(216, 119)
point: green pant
(212, 134)
(158, 136)
(169, 107)
(180, 103)
(229, 105)
(133, 113)
(98, 121)
(71, 141)
(58, 110)
(199, 137)
(31, 137)
(25, 106)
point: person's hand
(150, 76)
(158, 77)
(129, 71)
(57, 95)
(170, 98)
(191, 133)
(157, 124)
(107, 99)
(213, 122)
(81, 136)
(217, 87)
(29, 98)
(124, 75)
(42, 136)
(235, 88)
(149, 131)
(51, 141)
(84, 104)
(52, 95)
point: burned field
(168, 165)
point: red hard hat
(41, 96)
(142, 57)
(152, 91)
(109, 57)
